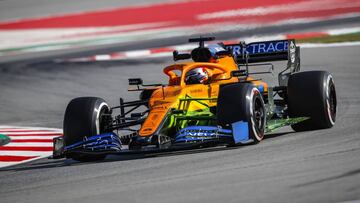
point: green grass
(332, 39)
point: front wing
(188, 137)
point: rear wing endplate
(266, 51)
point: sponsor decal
(201, 133)
(292, 50)
(259, 47)
(196, 90)
(147, 129)
(160, 102)
(154, 117)
(172, 93)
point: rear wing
(266, 51)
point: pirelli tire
(312, 94)
(84, 117)
(242, 102)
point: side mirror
(135, 81)
(238, 73)
(178, 56)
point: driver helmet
(197, 76)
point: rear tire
(312, 94)
(83, 117)
(242, 102)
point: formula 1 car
(212, 99)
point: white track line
(28, 128)
(5, 163)
(340, 44)
(30, 133)
(23, 153)
(276, 9)
(32, 137)
(30, 144)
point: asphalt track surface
(317, 166)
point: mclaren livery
(211, 99)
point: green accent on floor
(278, 123)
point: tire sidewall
(82, 118)
(253, 95)
(329, 82)
(309, 95)
(100, 107)
(235, 103)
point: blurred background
(38, 25)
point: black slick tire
(242, 102)
(83, 117)
(312, 94)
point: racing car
(211, 99)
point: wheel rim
(332, 102)
(259, 116)
(103, 120)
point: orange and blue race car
(211, 99)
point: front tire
(84, 116)
(242, 102)
(312, 94)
